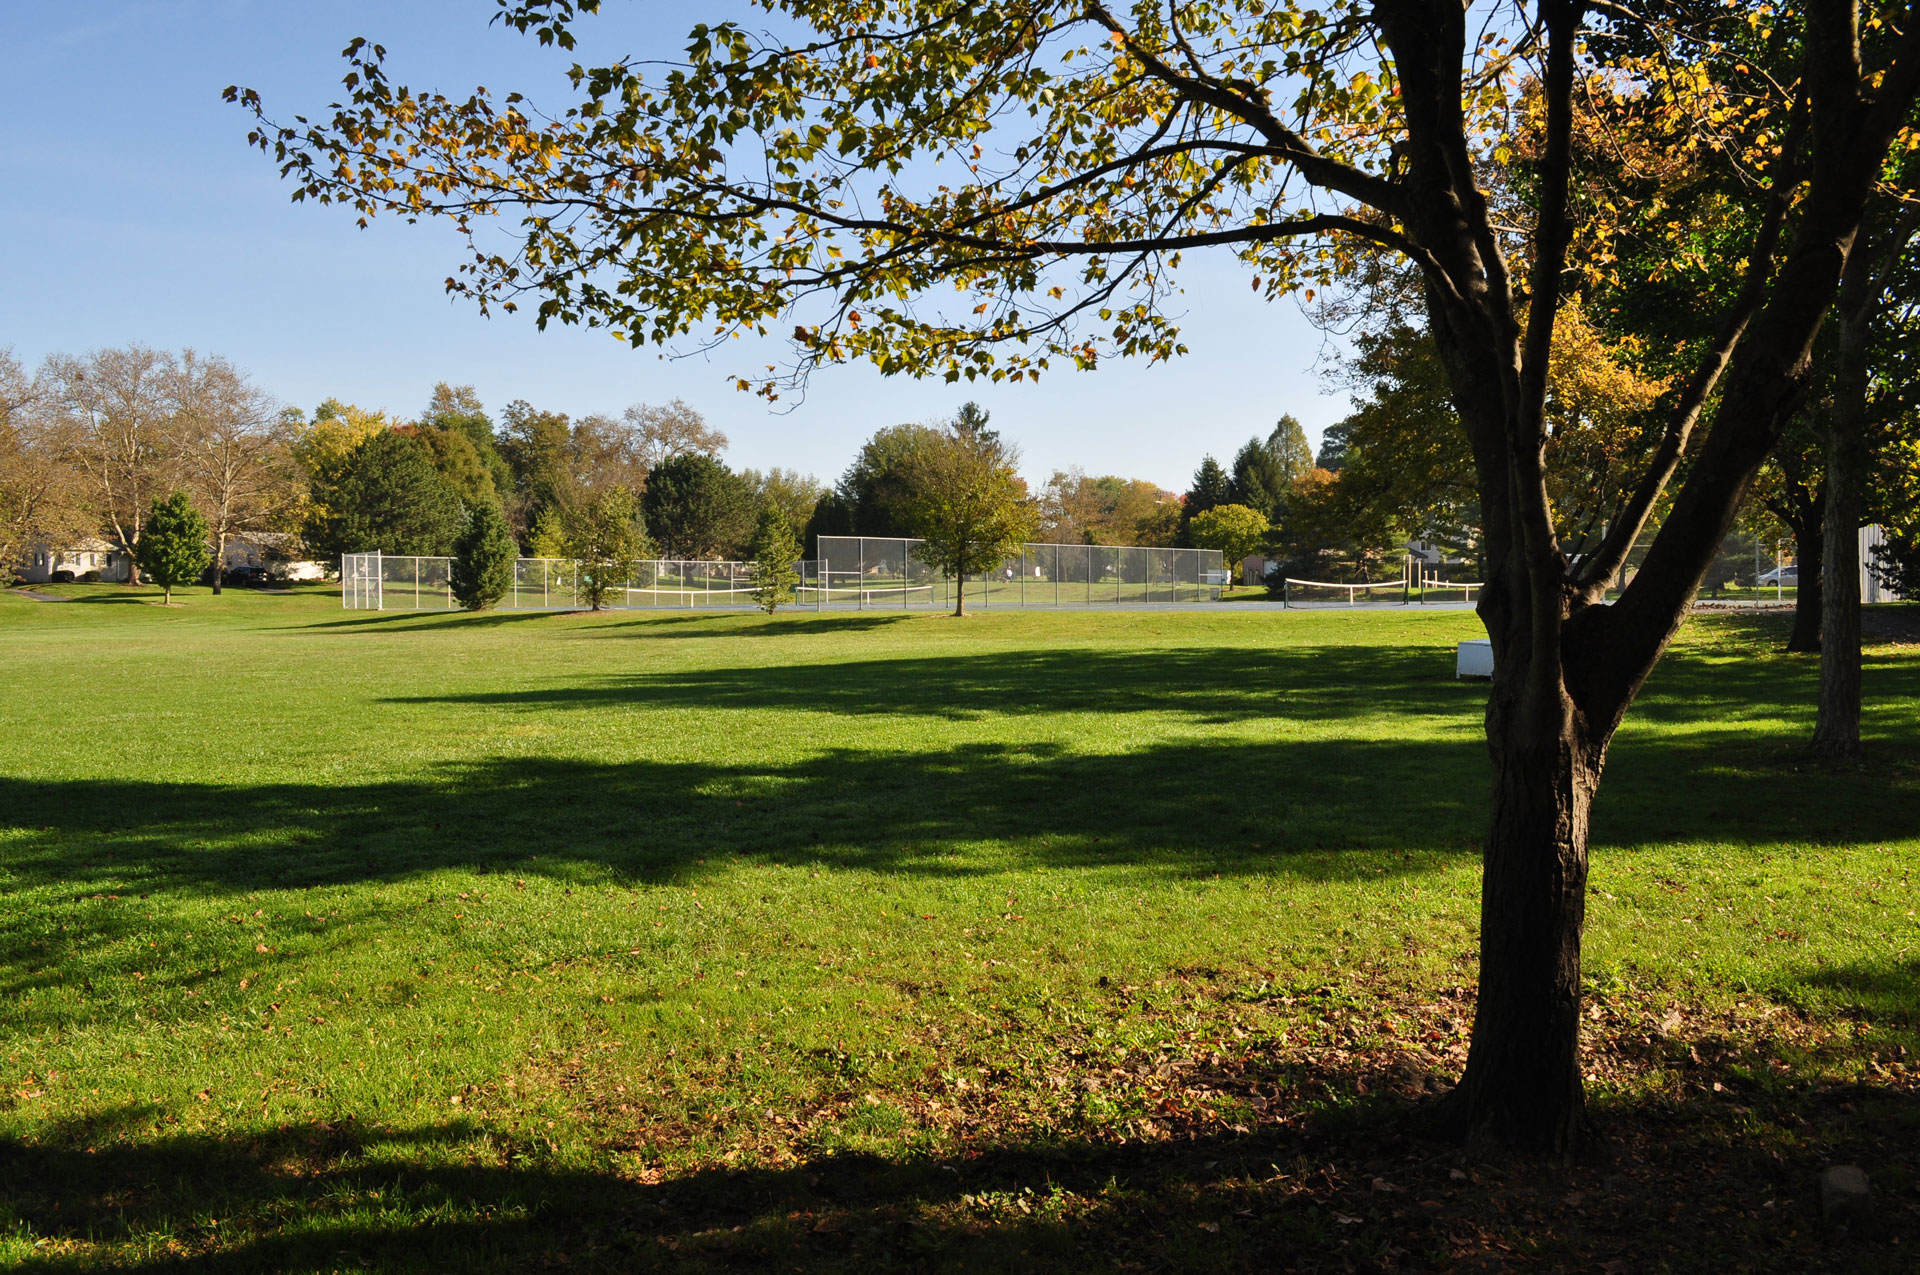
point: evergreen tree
(1333, 447)
(1257, 481)
(482, 568)
(776, 557)
(698, 507)
(971, 420)
(392, 499)
(1209, 492)
(1292, 454)
(173, 543)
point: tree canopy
(967, 503)
(698, 508)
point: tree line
(105, 443)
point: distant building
(277, 551)
(1871, 590)
(86, 558)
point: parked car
(246, 578)
(1788, 577)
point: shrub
(776, 556)
(482, 566)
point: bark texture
(1836, 731)
(1809, 551)
(1522, 1083)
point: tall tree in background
(1122, 142)
(461, 463)
(673, 429)
(458, 409)
(967, 503)
(698, 508)
(793, 493)
(874, 492)
(42, 497)
(232, 448)
(1209, 489)
(116, 407)
(537, 447)
(971, 420)
(1292, 454)
(324, 450)
(391, 499)
(1256, 480)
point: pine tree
(482, 568)
(1292, 454)
(173, 544)
(1257, 481)
(776, 558)
(1209, 492)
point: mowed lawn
(335, 940)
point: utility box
(1474, 659)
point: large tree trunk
(1808, 552)
(1521, 1088)
(1836, 731)
(219, 559)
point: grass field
(342, 940)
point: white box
(1474, 659)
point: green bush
(482, 567)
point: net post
(1286, 593)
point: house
(277, 551)
(87, 557)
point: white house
(273, 550)
(89, 555)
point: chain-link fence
(873, 572)
(856, 572)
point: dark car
(246, 578)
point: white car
(1780, 576)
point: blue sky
(133, 211)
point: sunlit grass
(622, 896)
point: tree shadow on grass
(1326, 1179)
(1884, 991)
(1391, 686)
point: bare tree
(231, 447)
(114, 408)
(41, 498)
(661, 433)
